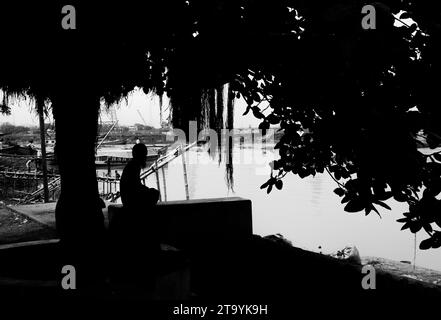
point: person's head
(139, 153)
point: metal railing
(110, 186)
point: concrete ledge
(29, 244)
(184, 223)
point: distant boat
(104, 161)
(114, 142)
(17, 150)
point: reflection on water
(306, 211)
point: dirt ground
(15, 227)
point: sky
(134, 109)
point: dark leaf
(413, 28)
(400, 197)
(264, 126)
(257, 113)
(376, 211)
(415, 227)
(427, 227)
(266, 184)
(345, 199)
(340, 192)
(256, 97)
(269, 188)
(272, 119)
(426, 244)
(380, 203)
(279, 184)
(385, 196)
(303, 173)
(436, 244)
(354, 205)
(368, 210)
(405, 226)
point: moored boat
(18, 150)
(104, 161)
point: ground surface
(37, 222)
(15, 227)
(404, 269)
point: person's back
(135, 231)
(131, 186)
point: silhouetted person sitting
(133, 192)
(134, 232)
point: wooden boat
(103, 161)
(18, 151)
(114, 142)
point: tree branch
(333, 178)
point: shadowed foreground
(254, 270)
(225, 262)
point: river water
(305, 211)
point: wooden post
(157, 180)
(414, 251)
(40, 108)
(163, 181)
(184, 167)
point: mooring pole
(163, 181)
(40, 108)
(184, 166)
(414, 251)
(157, 180)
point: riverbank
(404, 270)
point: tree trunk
(79, 217)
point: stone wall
(189, 222)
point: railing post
(164, 183)
(157, 180)
(184, 167)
